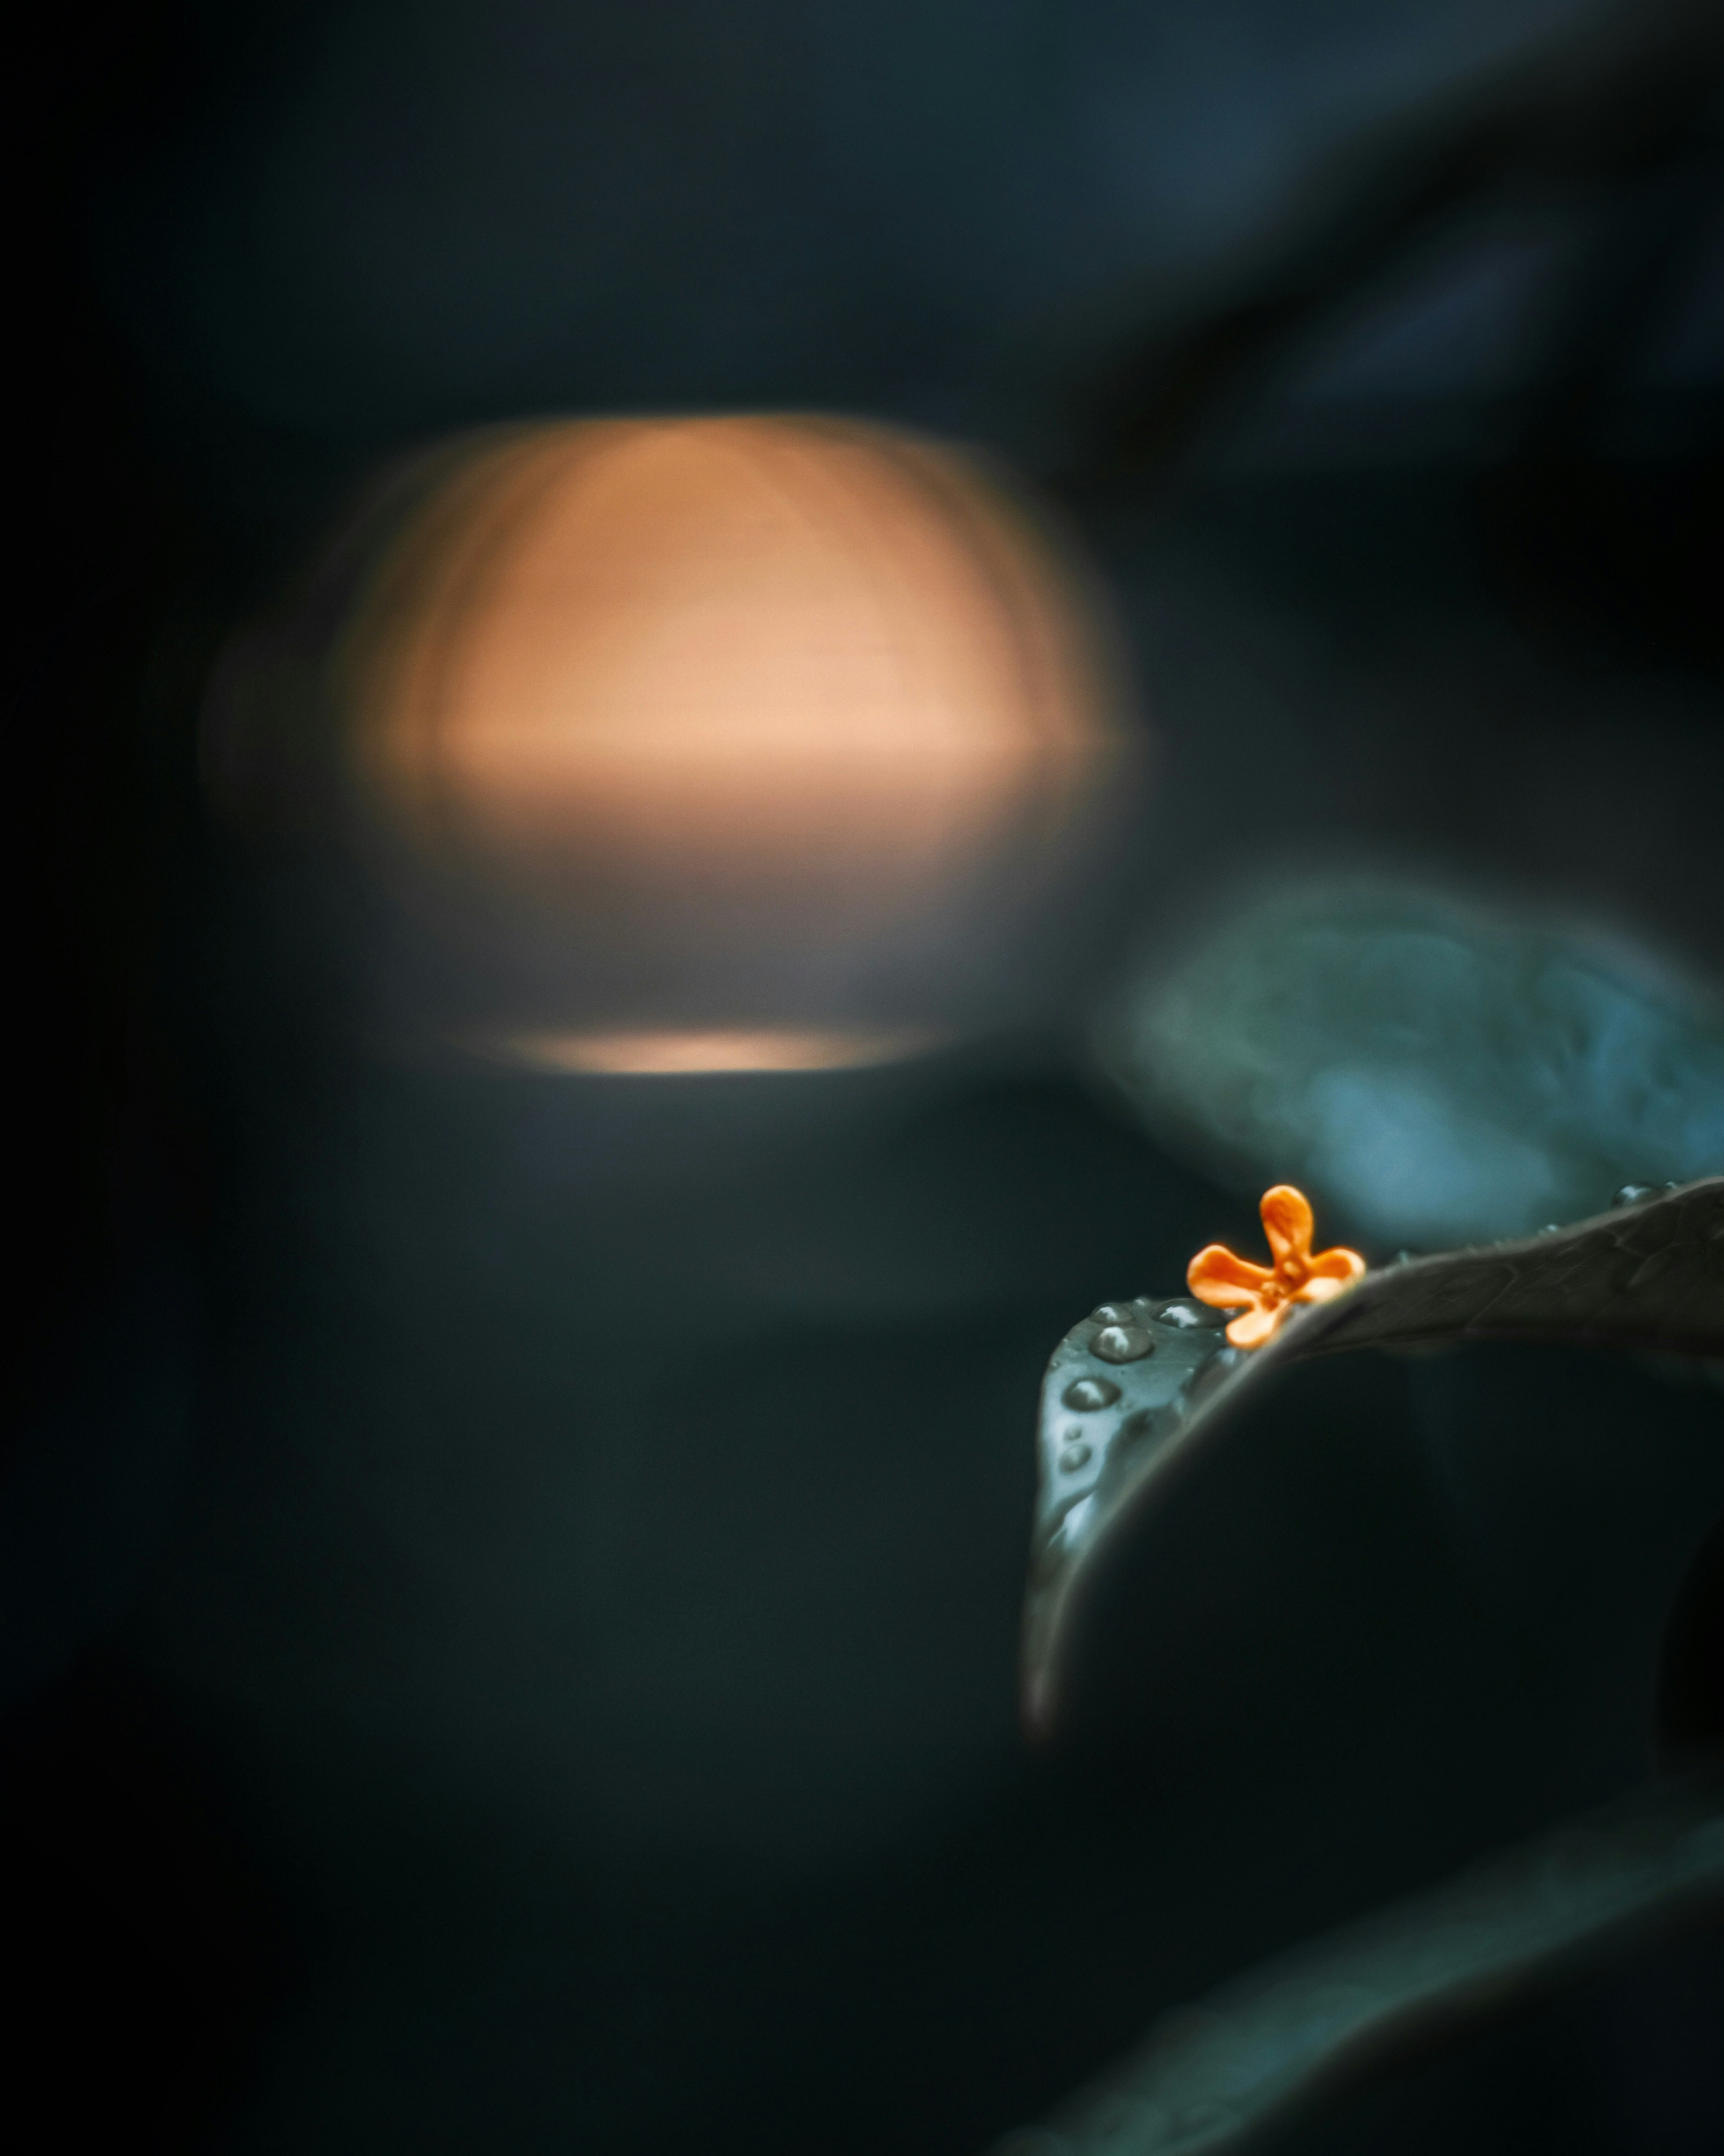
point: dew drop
(1083, 1395)
(1188, 1316)
(1114, 1313)
(1073, 1457)
(1631, 1193)
(1122, 1343)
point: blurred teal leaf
(1432, 1071)
(1224, 2072)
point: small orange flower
(1298, 1274)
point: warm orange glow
(1269, 1294)
(757, 742)
(684, 1055)
(810, 664)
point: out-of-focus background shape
(1436, 1072)
(698, 730)
(514, 1639)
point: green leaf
(1138, 1389)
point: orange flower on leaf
(1268, 1293)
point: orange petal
(1339, 1265)
(1257, 1326)
(1318, 1289)
(1287, 1221)
(1215, 1276)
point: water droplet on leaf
(1187, 1315)
(1073, 1457)
(1083, 1395)
(1122, 1343)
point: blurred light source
(673, 1054)
(769, 741)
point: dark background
(511, 1594)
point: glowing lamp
(718, 743)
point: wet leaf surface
(1138, 1389)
